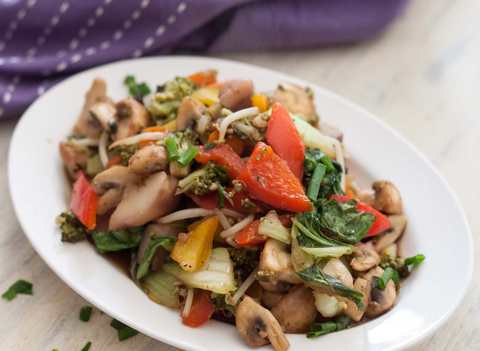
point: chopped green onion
(123, 331)
(185, 158)
(414, 261)
(87, 346)
(172, 148)
(137, 90)
(319, 329)
(316, 181)
(85, 313)
(388, 274)
(19, 287)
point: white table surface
(422, 77)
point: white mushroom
(352, 310)
(364, 257)
(258, 326)
(335, 268)
(104, 112)
(380, 300)
(297, 100)
(271, 298)
(398, 222)
(132, 117)
(145, 201)
(387, 197)
(276, 272)
(189, 111)
(109, 185)
(296, 310)
(235, 94)
(149, 159)
(74, 158)
(85, 125)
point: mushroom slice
(110, 199)
(276, 272)
(387, 197)
(132, 116)
(113, 177)
(85, 125)
(74, 158)
(398, 222)
(235, 94)
(149, 159)
(338, 270)
(145, 201)
(271, 298)
(352, 310)
(380, 300)
(188, 111)
(364, 257)
(297, 100)
(258, 326)
(296, 310)
(104, 112)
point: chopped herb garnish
(87, 346)
(319, 329)
(19, 287)
(166, 242)
(137, 90)
(116, 240)
(414, 261)
(123, 331)
(388, 274)
(85, 313)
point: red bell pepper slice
(249, 235)
(283, 137)
(269, 179)
(381, 223)
(223, 155)
(201, 310)
(204, 78)
(84, 202)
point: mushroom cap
(132, 116)
(148, 160)
(258, 326)
(296, 310)
(188, 111)
(364, 257)
(338, 270)
(387, 197)
(235, 94)
(399, 223)
(113, 177)
(297, 100)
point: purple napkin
(42, 42)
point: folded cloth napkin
(42, 42)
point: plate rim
(340, 99)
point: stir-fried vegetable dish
(234, 204)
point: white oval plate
(437, 225)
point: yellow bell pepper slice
(192, 253)
(260, 101)
(207, 96)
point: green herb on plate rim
(19, 287)
(124, 332)
(85, 313)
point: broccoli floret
(204, 180)
(125, 152)
(71, 228)
(166, 101)
(223, 311)
(244, 262)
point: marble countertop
(420, 77)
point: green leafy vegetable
(85, 313)
(123, 331)
(156, 242)
(223, 310)
(319, 329)
(221, 195)
(201, 181)
(388, 274)
(172, 148)
(162, 288)
(244, 262)
(414, 261)
(19, 287)
(116, 240)
(187, 156)
(322, 175)
(315, 276)
(404, 267)
(71, 228)
(271, 226)
(87, 346)
(137, 90)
